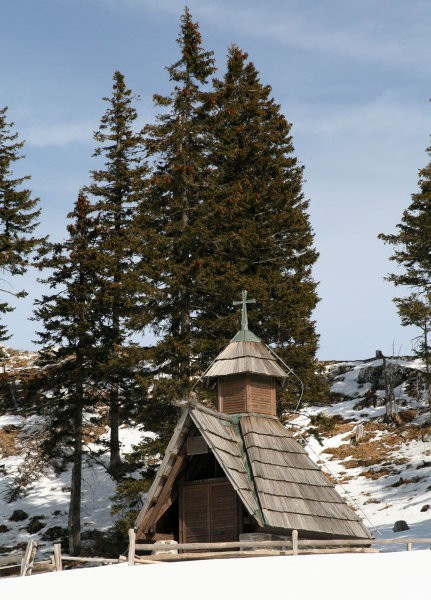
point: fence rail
(162, 551)
(24, 563)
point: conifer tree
(177, 144)
(227, 196)
(411, 244)
(117, 187)
(261, 238)
(18, 215)
(69, 315)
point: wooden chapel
(238, 469)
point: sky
(351, 77)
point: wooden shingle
(245, 357)
(292, 490)
(275, 479)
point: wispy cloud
(58, 134)
(377, 118)
(390, 32)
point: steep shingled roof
(277, 482)
(245, 357)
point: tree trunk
(390, 416)
(115, 463)
(74, 525)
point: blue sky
(352, 77)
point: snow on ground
(48, 496)
(377, 501)
(404, 491)
(398, 576)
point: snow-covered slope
(34, 497)
(394, 576)
(46, 499)
(386, 476)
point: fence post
(28, 558)
(57, 557)
(132, 544)
(409, 546)
(295, 542)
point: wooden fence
(164, 552)
(24, 563)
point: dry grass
(377, 473)
(341, 427)
(364, 454)
(8, 445)
(402, 481)
(344, 479)
(377, 451)
(93, 432)
(407, 416)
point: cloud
(390, 32)
(58, 134)
(380, 117)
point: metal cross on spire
(244, 302)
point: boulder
(54, 533)
(400, 526)
(18, 515)
(35, 525)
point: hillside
(385, 476)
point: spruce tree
(177, 145)
(411, 244)
(226, 196)
(260, 236)
(117, 188)
(69, 315)
(18, 215)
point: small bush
(18, 515)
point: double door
(208, 512)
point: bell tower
(246, 372)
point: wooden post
(57, 557)
(295, 542)
(132, 544)
(409, 546)
(28, 558)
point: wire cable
(290, 372)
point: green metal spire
(245, 335)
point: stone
(54, 533)
(400, 526)
(35, 525)
(425, 508)
(18, 515)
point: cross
(244, 302)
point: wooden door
(208, 512)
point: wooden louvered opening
(261, 395)
(208, 512)
(247, 393)
(232, 394)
